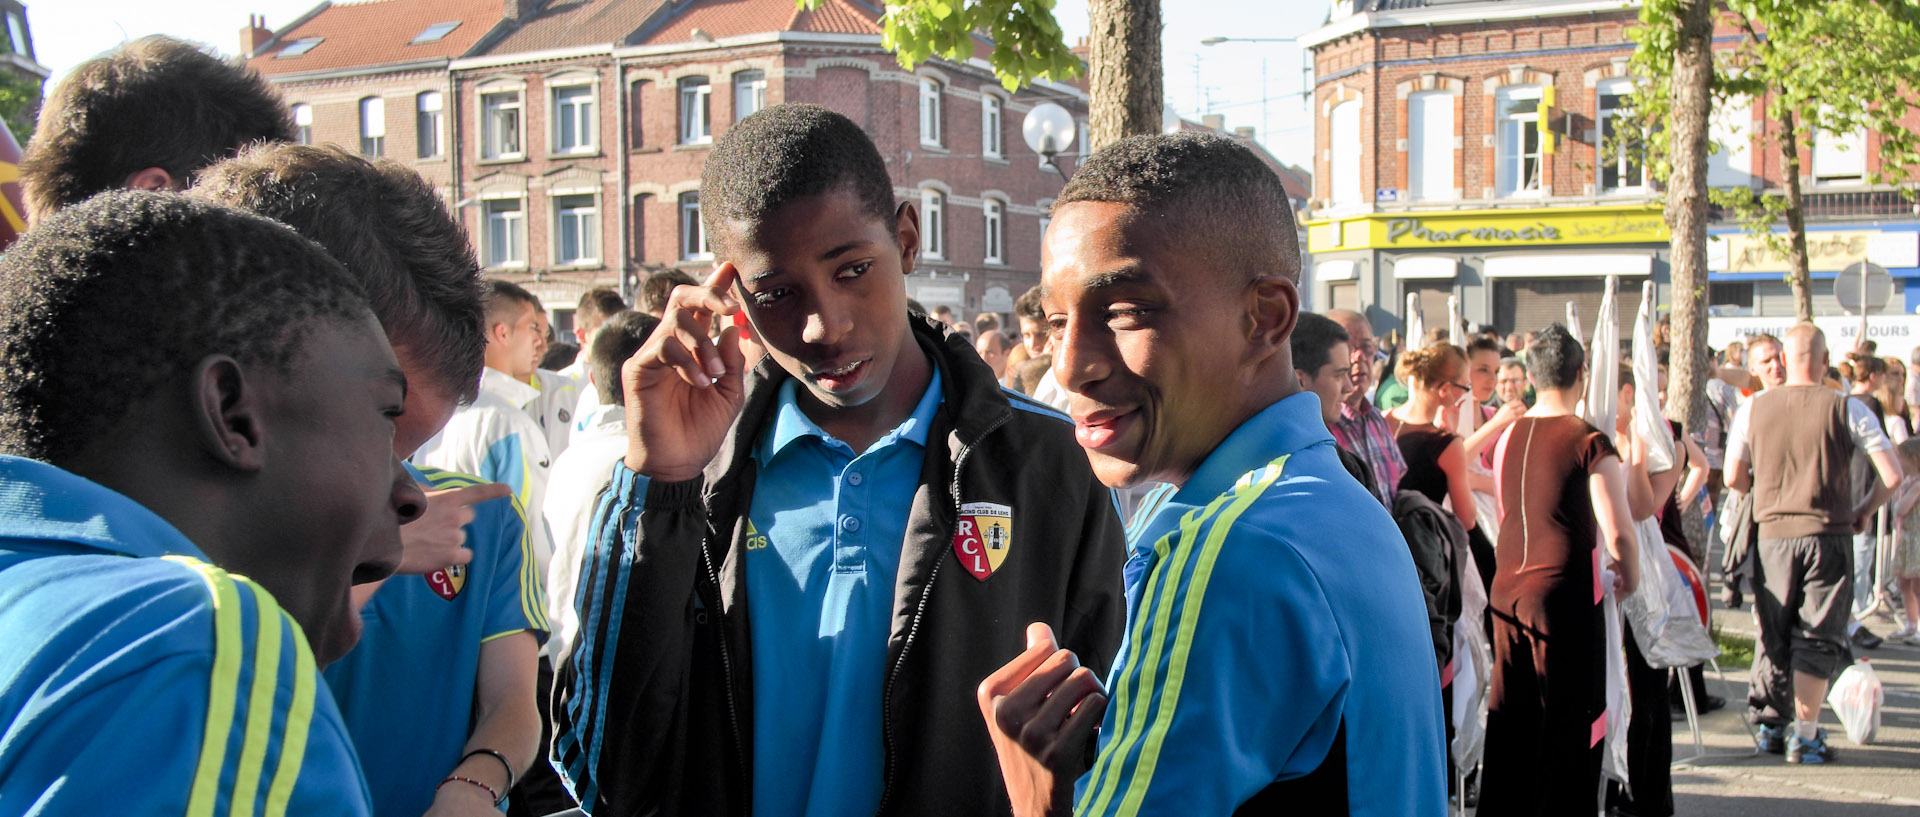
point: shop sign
(1492, 228)
(1827, 250)
(1895, 335)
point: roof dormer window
(435, 33)
(298, 47)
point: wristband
(483, 787)
(511, 777)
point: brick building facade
(1465, 150)
(570, 136)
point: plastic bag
(1665, 622)
(1857, 698)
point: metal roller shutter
(1344, 295)
(1530, 304)
(1433, 301)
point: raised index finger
(474, 494)
(712, 295)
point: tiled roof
(732, 18)
(571, 23)
(379, 32)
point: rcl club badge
(983, 537)
(447, 582)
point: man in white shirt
(580, 474)
(495, 437)
(595, 307)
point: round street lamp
(1048, 131)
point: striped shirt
(1266, 662)
(137, 678)
(1363, 431)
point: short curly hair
(154, 102)
(390, 229)
(108, 300)
(1218, 190)
(783, 153)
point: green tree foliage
(1817, 67)
(19, 104)
(1027, 42)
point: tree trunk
(1125, 70)
(1689, 364)
(1796, 220)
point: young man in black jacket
(799, 574)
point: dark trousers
(1649, 741)
(1802, 599)
(540, 791)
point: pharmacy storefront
(1511, 269)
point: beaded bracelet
(511, 777)
(483, 787)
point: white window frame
(1621, 161)
(515, 232)
(1511, 179)
(933, 223)
(1428, 144)
(992, 112)
(1344, 188)
(749, 86)
(302, 123)
(1847, 151)
(695, 92)
(583, 112)
(587, 224)
(931, 92)
(693, 233)
(373, 126)
(429, 123)
(995, 217)
(492, 145)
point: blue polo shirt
(137, 678)
(407, 689)
(827, 525)
(1269, 635)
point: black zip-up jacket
(653, 704)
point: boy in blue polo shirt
(1274, 633)
(440, 694)
(197, 417)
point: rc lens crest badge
(983, 537)
(447, 582)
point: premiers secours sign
(1896, 335)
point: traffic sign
(1863, 282)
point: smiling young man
(799, 574)
(1269, 662)
(177, 551)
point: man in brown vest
(1798, 440)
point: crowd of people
(300, 513)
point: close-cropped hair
(154, 102)
(1555, 358)
(1484, 343)
(105, 302)
(502, 300)
(597, 305)
(618, 339)
(1312, 341)
(1428, 365)
(1220, 192)
(391, 230)
(783, 153)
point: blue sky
(1223, 79)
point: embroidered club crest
(983, 537)
(447, 582)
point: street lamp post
(1212, 41)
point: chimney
(521, 9)
(255, 35)
(1082, 50)
(1216, 121)
(1244, 131)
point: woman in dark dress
(1436, 458)
(1561, 492)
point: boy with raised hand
(799, 573)
(1277, 656)
(442, 684)
(177, 551)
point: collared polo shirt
(826, 529)
(1262, 651)
(137, 678)
(406, 691)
